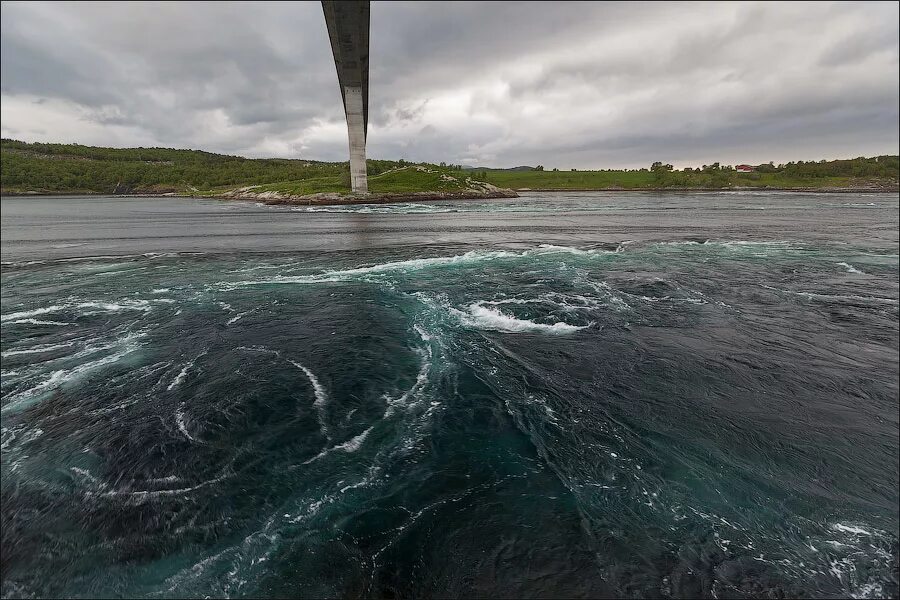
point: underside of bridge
(348, 29)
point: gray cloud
(562, 84)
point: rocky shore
(476, 190)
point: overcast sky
(586, 85)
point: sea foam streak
(36, 350)
(421, 377)
(321, 396)
(179, 420)
(58, 378)
(183, 373)
(31, 313)
(24, 316)
(351, 445)
(850, 268)
(179, 378)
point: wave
(58, 378)
(421, 377)
(31, 313)
(854, 529)
(354, 443)
(179, 378)
(403, 266)
(483, 317)
(835, 297)
(179, 421)
(36, 349)
(729, 244)
(37, 322)
(238, 317)
(318, 389)
(142, 495)
(321, 395)
(418, 264)
(184, 371)
(21, 316)
(551, 248)
(51, 261)
(351, 445)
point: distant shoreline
(46, 169)
(825, 190)
(337, 200)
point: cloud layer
(586, 85)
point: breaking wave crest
(479, 316)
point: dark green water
(562, 395)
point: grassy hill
(76, 169)
(878, 172)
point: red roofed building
(745, 168)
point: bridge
(348, 30)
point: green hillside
(76, 169)
(881, 171)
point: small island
(73, 169)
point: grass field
(636, 180)
(400, 180)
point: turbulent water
(561, 395)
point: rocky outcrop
(486, 191)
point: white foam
(183, 373)
(850, 268)
(87, 475)
(551, 249)
(58, 378)
(318, 389)
(511, 301)
(31, 313)
(37, 322)
(852, 529)
(237, 317)
(116, 306)
(321, 396)
(179, 378)
(830, 297)
(351, 445)
(421, 378)
(75, 259)
(834, 297)
(483, 317)
(25, 315)
(149, 494)
(868, 590)
(405, 208)
(354, 443)
(179, 420)
(418, 264)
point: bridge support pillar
(356, 130)
(348, 31)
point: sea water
(582, 394)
